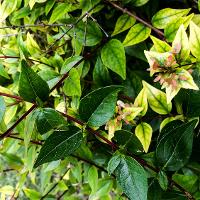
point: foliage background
(75, 80)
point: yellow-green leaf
(187, 81)
(123, 23)
(181, 39)
(194, 39)
(166, 15)
(141, 101)
(143, 131)
(137, 34)
(159, 45)
(157, 99)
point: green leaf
(159, 45)
(59, 11)
(166, 15)
(6, 8)
(72, 86)
(128, 140)
(101, 75)
(131, 177)
(31, 85)
(70, 63)
(138, 3)
(173, 26)
(163, 180)
(157, 99)
(49, 6)
(113, 57)
(3, 72)
(3, 108)
(170, 153)
(194, 39)
(123, 23)
(48, 119)
(59, 145)
(181, 40)
(137, 34)
(91, 30)
(143, 131)
(97, 107)
(93, 178)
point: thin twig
(33, 25)
(140, 160)
(54, 186)
(17, 57)
(124, 10)
(11, 96)
(72, 26)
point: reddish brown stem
(18, 98)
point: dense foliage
(99, 99)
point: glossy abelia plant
(96, 102)
(173, 68)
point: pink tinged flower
(190, 71)
(157, 78)
(170, 61)
(155, 65)
(174, 84)
(182, 78)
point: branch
(140, 160)
(54, 186)
(17, 57)
(18, 98)
(72, 26)
(33, 25)
(124, 10)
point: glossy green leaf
(113, 57)
(128, 140)
(166, 15)
(72, 86)
(49, 6)
(137, 34)
(170, 153)
(123, 23)
(32, 45)
(58, 12)
(172, 27)
(59, 144)
(130, 175)
(31, 85)
(194, 39)
(157, 99)
(93, 178)
(163, 180)
(138, 2)
(101, 75)
(143, 131)
(48, 119)
(3, 72)
(97, 107)
(2, 108)
(91, 30)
